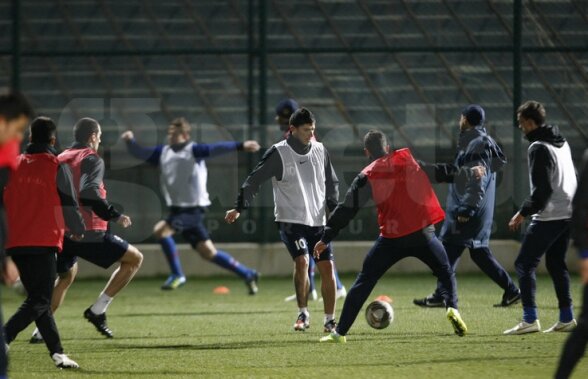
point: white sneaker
(312, 296)
(341, 293)
(524, 328)
(562, 327)
(36, 337)
(18, 287)
(63, 361)
(290, 298)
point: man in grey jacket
(553, 183)
(470, 204)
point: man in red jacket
(98, 246)
(40, 202)
(407, 211)
(15, 112)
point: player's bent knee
(206, 254)
(132, 257)
(68, 276)
(162, 230)
(301, 263)
(206, 250)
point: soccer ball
(379, 314)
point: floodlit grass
(192, 333)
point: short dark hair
(182, 124)
(302, 116)
(532, 110)
(43, 129)
(375, 142)
(13, 105)
(84, 128)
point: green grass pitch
(193, 333)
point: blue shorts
(101, 248)
(189, 222)
(300, 240)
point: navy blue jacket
(468, 196)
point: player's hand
(516, 221)
(251, 146)
(128, 135)
(478, 171)
(124, 221)
(232, 215)
(584, 271)
(318, 249)
(76, 237)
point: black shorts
(189, 222)
(101, 248)
(300, 240)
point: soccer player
(407, 210)
(183, 183)
(576, 344)
(99, 246)
(304, 185)
(470, 204)
(15, 112)
(39, 186)
(284, 111)
(553, 184)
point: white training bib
(563, 183)
(183, 178)
(300, 196)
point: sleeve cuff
(114, 214)
(525, 211)
(466, 211)
(328, 235)
(240, 146)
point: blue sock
(337, 280)
(171, 254)
(311, 266)
(529, 314)
(226, 261)
(566, 314)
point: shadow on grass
(176, 314)
(264, 344)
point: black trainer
(251, 283)
(509, 299)
(430, 302)
(99, 321)
(330, 326)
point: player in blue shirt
(181, 162)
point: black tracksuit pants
(37, 273)
(483, 258)
(549, 238)
(383, 255)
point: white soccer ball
(379, 314)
